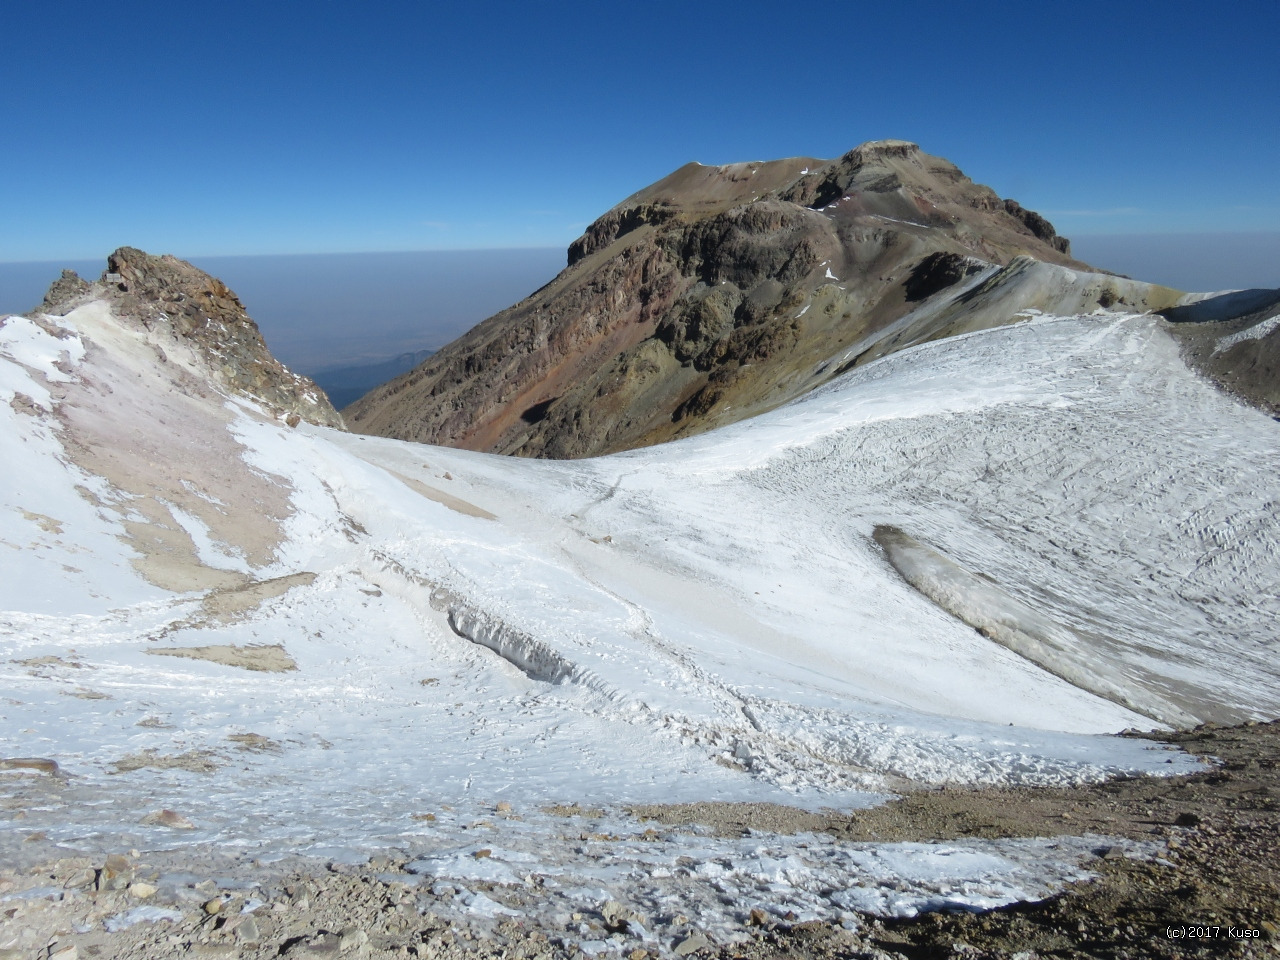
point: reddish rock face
(714, 294)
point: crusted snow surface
(707, 620)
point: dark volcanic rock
(709, 296)
(1038, 225)
(64, 292)
(937, 272)
(168, 294)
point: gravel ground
(1214, 890)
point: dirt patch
(31, 764)
(36, 663)
(47, 524)
(119, 424)
(84, 693)
(228, 604)
(573, 810)
(738, 819)
(267, 658)
(254, 743)
(196, 761)
(167, 554)
(440, 497)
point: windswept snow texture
(709, 619)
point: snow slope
(709, 619)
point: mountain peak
(171, 297)
(716, 293)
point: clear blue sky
(243, 128)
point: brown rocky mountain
(720, 292)
(172, 299)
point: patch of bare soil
(267, 658)
(119, 424)
(254, 743)
(456, 504)
(233, 603)
(196, 761)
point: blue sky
(238, 128)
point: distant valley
(348, 383)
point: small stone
(35, 837)
(167, 818)
(81, 878)
(352, 938)
(116, 873)
(503, 807)
(640, 953)
(617, 917)
(758, 917)
(1186, 819)
(247, 930)
(213, 907)
(690, 945)
(293, 419)
(323, 945)
(482, 854)
(141, 890)
(64, 952)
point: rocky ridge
(720, 292)
(1233, 338)
(174, 300)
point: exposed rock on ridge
(718, 293)
(1234, 339)
(164, 293)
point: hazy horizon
(319, 311)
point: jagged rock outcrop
(712, 295)
(168, 295)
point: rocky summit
(721, 292)
(173, 301)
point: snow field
(706, 620)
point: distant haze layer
(320, 311)
(1187, 261)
